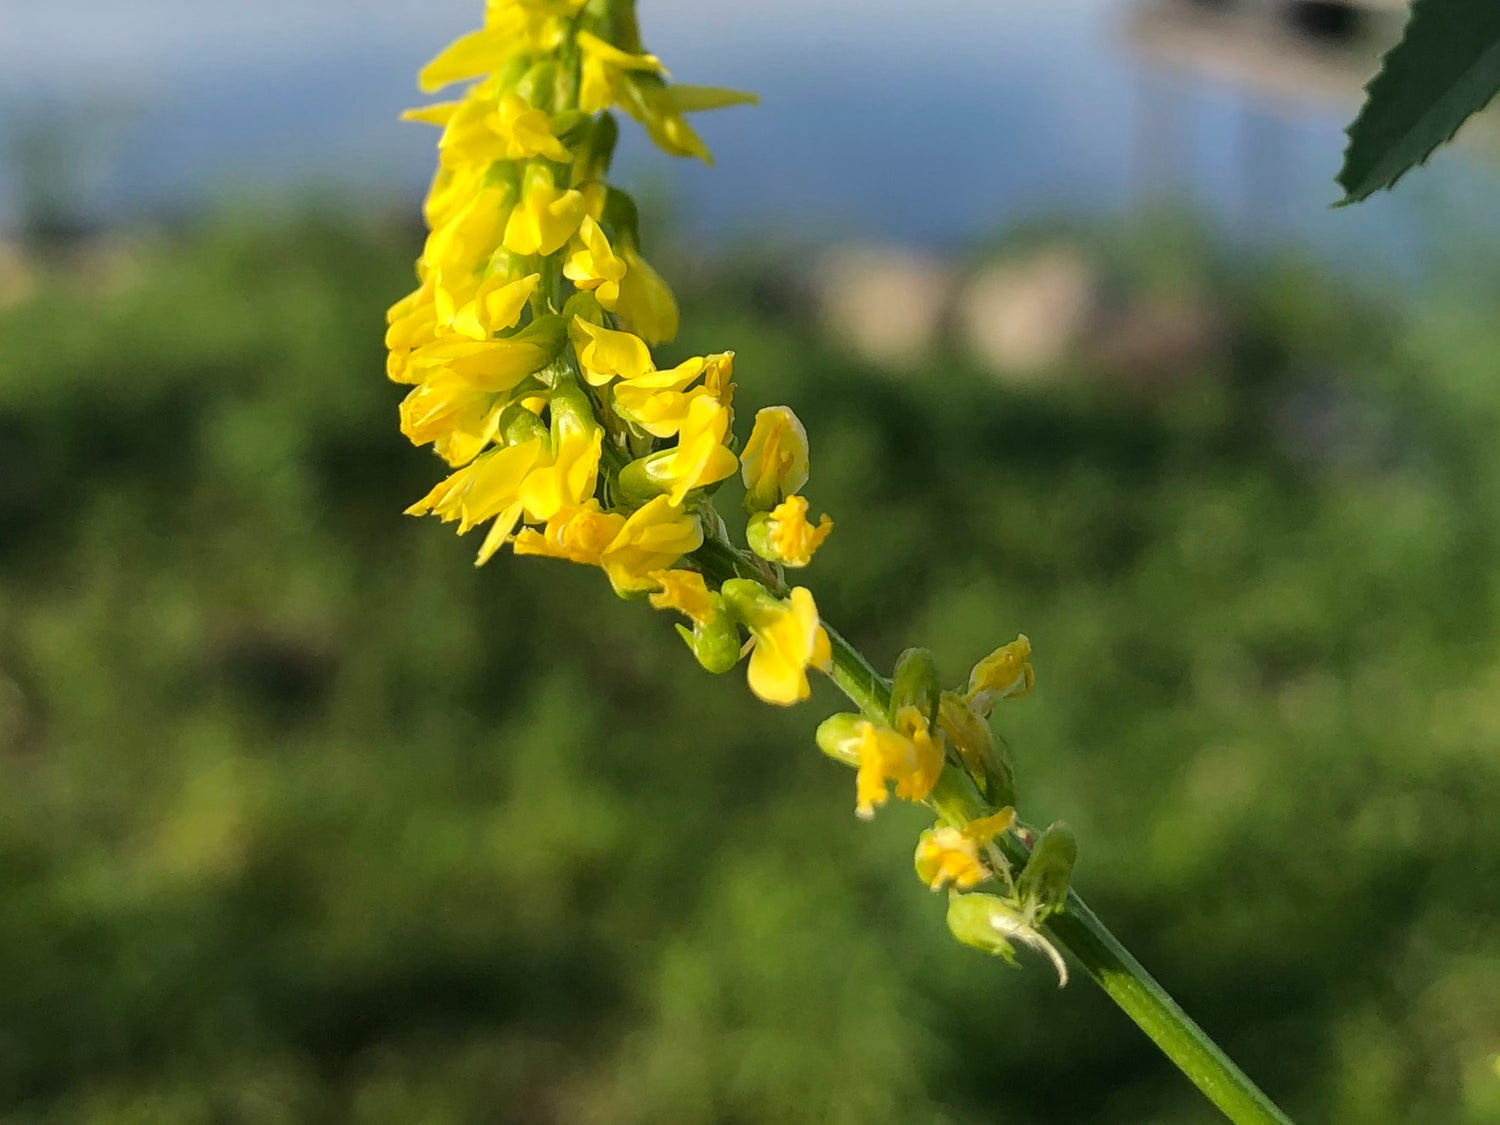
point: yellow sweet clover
(526, 348)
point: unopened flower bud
(1004, 673)
(915, 683)
(1043, 885)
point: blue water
(883, 136)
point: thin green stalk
(1075, 929)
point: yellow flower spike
(686, 592)
(496, 306)
(525, 131)
(658, 402)
(946, 855)
(579, 535)
(593, 265)
(775, 461)
(784, 534)
(1003, 674)
(788, 639)
(605, 353)
(546, 217)
(652, 539)
(645, 302)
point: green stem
(1075, 929)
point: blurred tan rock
(885, 303)
(1023, 317)
(17, 277)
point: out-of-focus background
(304, 819)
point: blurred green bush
(304, 819)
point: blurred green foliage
(304, 819)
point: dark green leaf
(1445, 69)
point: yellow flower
(525, 131)
(790, 538)
(447, 408)
(718, 376)
(652, 539)
(546, 217)
(951, 855)
(456, 250)
(927, 754)
(489, 488)
(605, 353)
(604, 66)
(884, 755)
(658, 401)
(579, 535)
(593, 265)
(700, 458)
(493, 365)
(412, 322)
(946, 855)
(775, 461)
(645, 302)
(568, 478)
(496, 306)
(686, 592)
(788, 639)
(512, 27)
(1004, 673)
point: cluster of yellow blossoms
(527, 347)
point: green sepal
(517, 425)
(716, 644)
(758, 535)
(1043, 884)
(639, 481)
(839, 736)
(751, 602)
(986, 922)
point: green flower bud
(987, 922)
(915, 683)
(1043, 885)
(839, 737)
